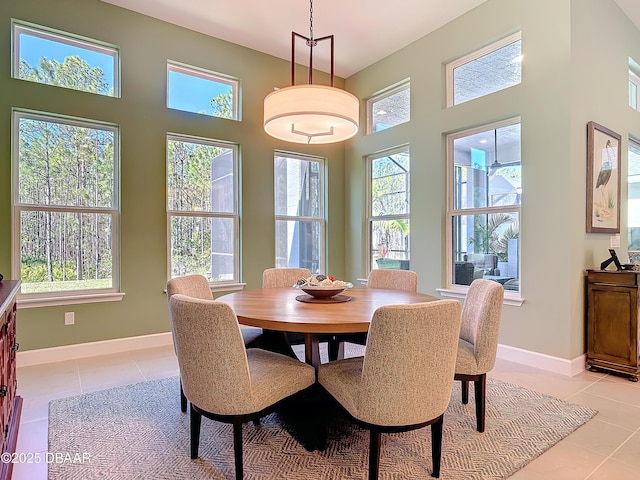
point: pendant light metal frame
(309, 113)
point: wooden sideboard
(10, 403)
(612, 308)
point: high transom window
(389, 108)
(65, 204)
(299, 211)
(46, 56)
(202, 209)
(197, 90)
(490, 69)
(388, 209)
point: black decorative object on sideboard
(612, 310)
(10, 403)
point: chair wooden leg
(195, 420)
(480, 390)
(336, 349)
(436, 445)
(183, 399)
(374, 454)
(237, 446)
(465, 391)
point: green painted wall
(574, 70)
(145, 45)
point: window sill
(228, 287)
(510, 298)
(26, 302)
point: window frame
(634, 79)
(65, 297)
(210, 75)
(512, 297)
(66, 38)
(451, 66)
(235, 215)
(370, 218)
(320, 219)
(382, 95)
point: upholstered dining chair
(222, 380)
(405, 379)
(197, 286)
(405, 280)
(287, 277)
(391, 279)
(478, 343)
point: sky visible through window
(193, 94)
(33, 48)
(187, 92)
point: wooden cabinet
(612, 321)
(10, 403)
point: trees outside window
(64, 60)
(65, 204)
(202, 209)
(388, 209)
(299, 211)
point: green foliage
(222, 105)
(492, 234)
(73, 72)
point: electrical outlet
(69, 318)
(614, 241)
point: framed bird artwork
(603, 179)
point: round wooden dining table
(278, 309)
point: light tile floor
(607, 447)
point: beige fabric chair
(223, 380)
(478, 342)
(406, 280)
(405, 378)
(197, 286)
(283, 277)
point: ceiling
(365, 30)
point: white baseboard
(542, 361)
(92, 349)
(119, 345)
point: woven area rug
(138, 432)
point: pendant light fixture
(309, 113)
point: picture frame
(603, 179)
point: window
(196, 90)
(388, 210)
(493, 68)
(484, 204)
(389, 108)
(299, 211)
(44, 56)
(634, 194)
(634, 83)
(202, 210)
(65, 204)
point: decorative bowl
(628, 266)
(321, 291)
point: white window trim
(236, 208)
(66, 38)
(234, 83)
(381, 95)
(68, 296)
(635, 79)
(451, 66)
(370, 218)
(460, 291)
(321, 218)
